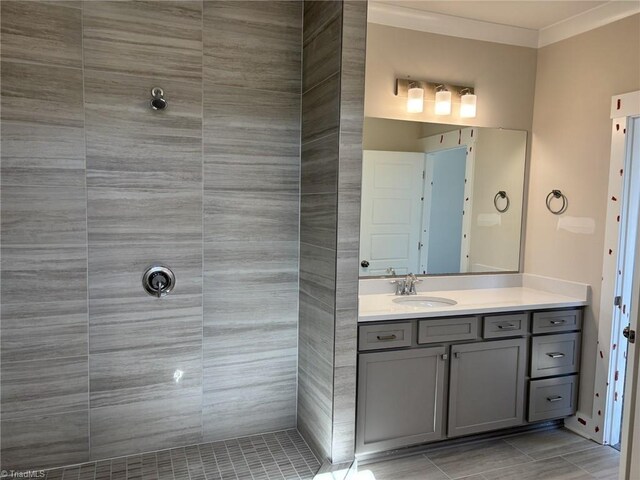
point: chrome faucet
(407, 285)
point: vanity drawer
(562, 321)
(555, 355)
(448, 329)
(386, 335)
(505, 325)
(552, 398)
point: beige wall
(391, 135)
(503, 75)
(499, 165)
(570, 151)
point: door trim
(595, 424)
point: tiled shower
(97, 186)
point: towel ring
(501, 194)
(557, 194)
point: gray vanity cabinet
(486, 386)
(400, 398)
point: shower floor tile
(272, 456)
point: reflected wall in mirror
(440, 199)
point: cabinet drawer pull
(557, 322)
(555, 355)
(554, 399)
(444, 356)
(510, 326)
(386, 338)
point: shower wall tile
(134, 375)
(27, 26)
(321, 109)
(34, 331)
(130, 145)
(239, 122)
(42, 154)
(157, 39)
(317, 14)
(319, 168)
(247, 269)
(315, 373)
(243, 173)
(129, 216)
(245, 216)
(42, 94)
(145, 173)
(44, 373)
(319, 165)
(332, 116)
(45, 441)
(253, 44)
(42, 122)
(347, 271)
(318, 272)
(259, 396)
(43, 387)
(250, 336)
(318, 219)
(159, 424)
(115, 273)
(133, 323)
(44, 215)
(27, 271)
(320, 59)
(252, 59)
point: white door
(391, 212)
(630, 461)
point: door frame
(598, 426)
(630, 435)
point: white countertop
(380, 306)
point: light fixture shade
(468, 105)
(443, 102)
(415, 100)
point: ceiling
(534, 15)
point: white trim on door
(595, 424)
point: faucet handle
(400, 284)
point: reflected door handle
(364, 264)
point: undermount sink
(424, 302)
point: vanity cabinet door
(486, 386)
(400, 398)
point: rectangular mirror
(440, 199)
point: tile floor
(546, 455)
(274, 456)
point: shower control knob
(158, 280)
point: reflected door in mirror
(391, 214)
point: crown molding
(412, 19)
(409, 18)
(583, 22)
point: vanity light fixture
(443, 100)
(467, 103)
(415, 98)
(440, 94)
